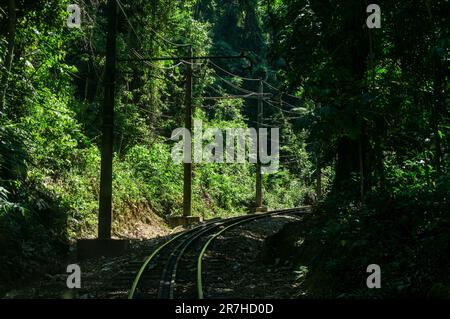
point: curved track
(160, 272)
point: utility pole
(187, 181)
(259, 195)
(105, 204)
(187, 217)
(104, 245)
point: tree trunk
(10, 50)
(437, 107)
(347, 162)
(318, 176)
(352, 168)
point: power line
(128, 20)
(284, 102)
(271, 86)
(137, 54)
(282, 92)
(277, 107)
(177, 45)
(253, 79)
(192, 63)
(260, 124)
(232, 74)
(140, 56)
(225, 97)
(248, 93)
(189, 58)
(214, 88)
(233, 85)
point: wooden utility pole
(105, 204)
(187, 181)
(259, 195)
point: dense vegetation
(381, 115)
(364, 127)
(50, 125)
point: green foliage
(377, 110)
(369, 92)
(406, 233)
(50, 124)
(154, 170)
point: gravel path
(234, 266)
(102, 277)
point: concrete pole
(259, 195)
(187, 186)
(105, 201)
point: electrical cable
(232, 74)
(177, 45)
(283, 93)
(140, 56)
(279, 108)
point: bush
(406, 233)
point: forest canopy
(363, 116)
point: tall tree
(11, 30)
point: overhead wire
(281, 109)
(284, 102)
(248, 93)
(140, 56)
(178, 45)
(133, 50)
(225, 97)
(232, 74)
(283, 93)
(270, 102)
(128, 20)
(137, 54)
(233, 85)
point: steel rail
(147, 261)
(179, 251)
(174, 259)
(192, 235)
(200, 293)
(150, 258)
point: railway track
(178, 262)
